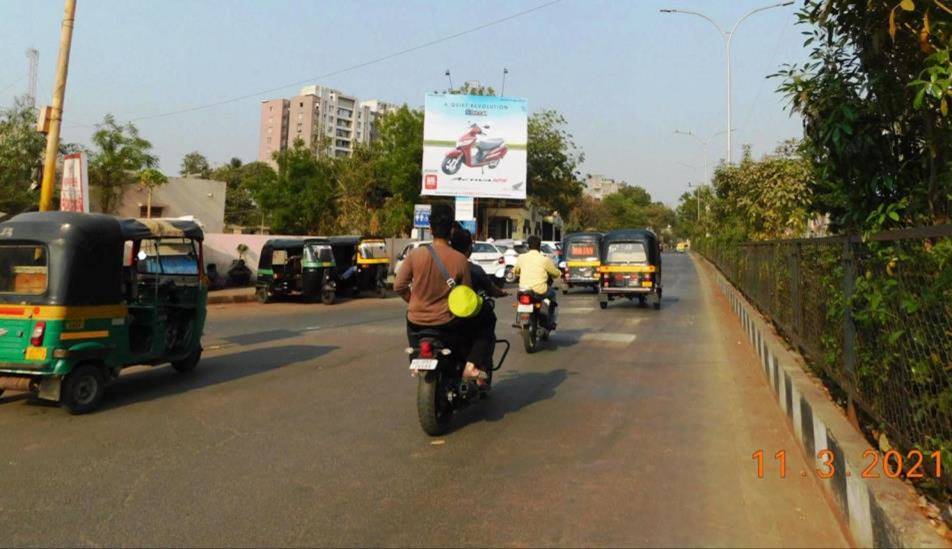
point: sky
(624, 75)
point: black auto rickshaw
(84, 295)
(279, 269)
(630, 267)
(580, 255)
(362, 264)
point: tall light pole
(697, 198)
(704, 144)
(56, 110)
(450, 79)
(728, 36)
(505, 71)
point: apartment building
(327, 121)
(273, 131)
(599, 186)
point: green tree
(243, 181)
(195, 163)
(150, 179)
(300, 200)
(119, 153)
(398, 155)
(552, 162)
(874, 100)
(632, 207)
(21, 157)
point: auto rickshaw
(279, 269)
(296, 267)
(83, 296)
(631, 267)
(581, 260)
(362, 264)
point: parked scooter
(488, 151)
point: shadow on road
(513, 391)
(163, 381)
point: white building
(203, 199)
(599, 186)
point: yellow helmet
(465, 302)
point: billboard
(475, 145)
(74, 192)
(421, 216)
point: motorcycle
(533, 318)
(488, 151)
(441, 389)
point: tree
(21, 157)
(300, 200)
(194, 163)
(588, 214)
(552, 162)
(398, 155)
(119, 153)
(243, 181)
(631, 206)
(874, 100)
(151, 178)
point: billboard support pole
(56, 111)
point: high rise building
(273, 131)
(327, 121)
(599, 186)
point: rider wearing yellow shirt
(534, 271)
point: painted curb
(214, 299)
(880, 512)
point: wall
(204, 199)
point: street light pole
(505, 71)
(728, 36)
(56, 109)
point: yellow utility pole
(56, 111)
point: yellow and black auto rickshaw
(581, 260)
(630, 267)
(362, 264)
(82, 296)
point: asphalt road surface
(299, 427)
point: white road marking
(571, 310)
(608, 337)
(312, 328)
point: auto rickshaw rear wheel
(83, 388)
(188, 363)
(327, 297)
(603, 304)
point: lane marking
(609, 337)
(571, 310)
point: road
(299, 428)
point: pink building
(274, 128)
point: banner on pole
(74, 191)
(475, 145)
(421, 216)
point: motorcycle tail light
(525, 299)
(39, 330)
(501, 260)
(426, 349)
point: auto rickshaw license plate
(36, 353)
(423, 364)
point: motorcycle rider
(421, 284)
(534, 271)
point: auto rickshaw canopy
(79, 254)
(646, 237)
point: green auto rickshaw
(301, 267)
(83, 296)
(362, 264)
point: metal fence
(873, 316)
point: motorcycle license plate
(522, 308)
(423, 364)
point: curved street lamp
(728, 36)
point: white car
(485, 255)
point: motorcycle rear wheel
(432, 407)
(529, 336)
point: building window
(156, 211)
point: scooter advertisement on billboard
(475, 145)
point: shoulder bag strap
(450, 281)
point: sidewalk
(232, 295)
